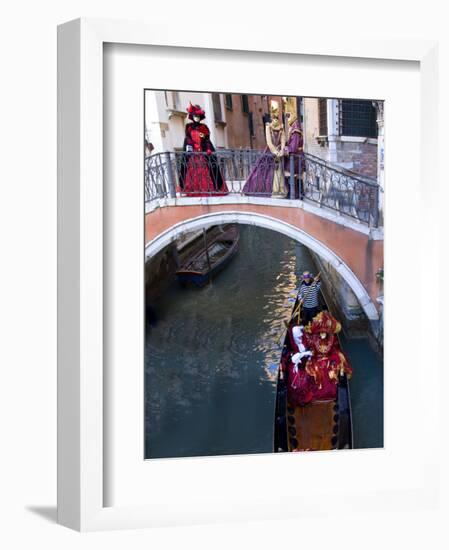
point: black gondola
(319, 425)
(211, 258)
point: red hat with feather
(195, 110)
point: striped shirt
(309, 293)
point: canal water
(211, 358)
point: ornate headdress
(274, 109)
(321, 333)
(195, 110)
(274, 114)
(323, 322)
(289, 106)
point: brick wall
(237, 121)
(358, 157)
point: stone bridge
(354, 250)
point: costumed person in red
(328, 362)
(200, 173)
(299, 384)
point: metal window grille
(218, 116)
(228, 101)
(245, 104)
(322, 111)
(357, 118)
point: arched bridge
(334, 213)
(355, 254)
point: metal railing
(248, 172)
(346, 192)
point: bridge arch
(261, 220)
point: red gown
(326, 364)
(202, 175)
(316, 378)
(300, 385)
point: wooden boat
(204, 264)
(316, 426)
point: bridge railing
(346, 192)
(257, 173)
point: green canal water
(211, 358)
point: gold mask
(290, 108)
(274, 109)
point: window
(251, 124)
(228, 101)
(322, 112)
(245, 104)
(218, 117)
(358, 118)
(172, 100)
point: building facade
(343, 132)
(236, 121)
(166, 117)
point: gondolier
(308, 296)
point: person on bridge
(267, 177)
(293, 148)
(200, 173)
(308, 296)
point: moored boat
(313, 404)
(204, 264)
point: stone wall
(359, 157)
(344, 304)
(160, 272)
(341, 299)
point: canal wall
(341, 299)
(344, 303)
(160, 272)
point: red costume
(328, 361)
(299, 384)
(315, 378)
(200, 173)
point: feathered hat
(323, 323)
(195, 110)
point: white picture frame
(82, 401)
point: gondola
(213, 256)
(315, 426)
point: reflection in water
(211, 359)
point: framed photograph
(226, 217)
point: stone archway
(261, 220)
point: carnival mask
(290, 108)
(322, 343)
(274, 109)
